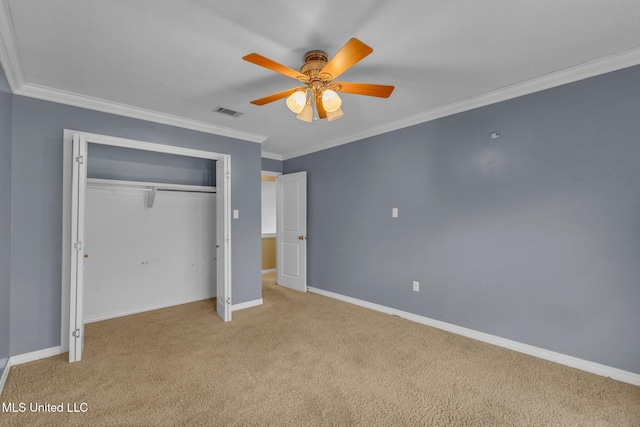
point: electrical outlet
(416, 286)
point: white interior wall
(146, 258)
(268, 207)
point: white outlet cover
(236, 214)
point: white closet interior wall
(142, 258)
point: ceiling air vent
(227, 112)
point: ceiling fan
(317, 76)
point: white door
(223, 239)
(291, 230)
(78, 189)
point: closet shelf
(149, 187)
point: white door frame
(224, 262)
(76, 290)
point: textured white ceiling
(183, 58)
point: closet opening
(145, 226)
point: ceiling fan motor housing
(314, 61)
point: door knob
(300, 237)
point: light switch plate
(394, 213)
(236, 214)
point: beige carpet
(304, 360)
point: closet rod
(118, 187)
(186, 191)
(175, 190)
(147, 186)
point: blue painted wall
(534, 236)
(37, 208)
(272, 165)
(5, 218)
(109, 162)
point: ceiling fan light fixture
(317, 98)
(306, 115)
(297, 101)
(334, 115)
(331, 101)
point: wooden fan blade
(275, 96)
(350, 54)
(321, 111)
(381, 91)
(274, 66)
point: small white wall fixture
(74, 185)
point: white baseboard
(563, 359)
(243, 305)
(5, 374)
(101, 317)
(24, 358)
(34, 355)
(270, 270)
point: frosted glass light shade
(297, 100)
(306, 115)
(334, 115)
(330, 101)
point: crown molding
(98, 104)
(10, 60)
(272, 156)
(9, 57)
(12, 65)
(568, 75)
